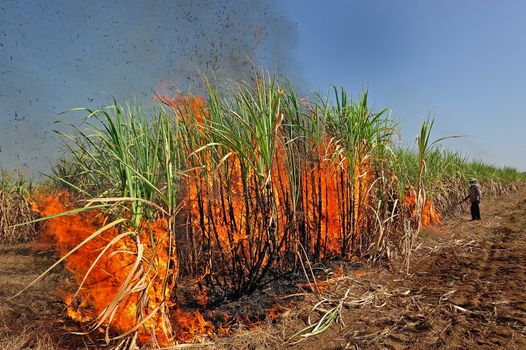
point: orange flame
(188, 324)
(429, 215)
(106, 277)
(332, 208)
(275, 312)
(225, 210)
(325, 204)
(185, 106)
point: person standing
(474, 196)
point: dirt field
(466, 290)
(28, 320)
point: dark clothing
(475, 211)
(474, 196)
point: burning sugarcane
(225, 192)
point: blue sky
(461, 61)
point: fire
(240, 221)
(275, 312)
(188, 324)
(324, 205)
(362, 181)
(220, 215)
(185, 107)
(429, 215)
(359, 273)
(103, 281)
(227, 209)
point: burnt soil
(466, 289)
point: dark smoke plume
(229, 39)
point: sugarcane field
(262, 175)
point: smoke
(64, 54)
(230, 39)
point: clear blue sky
(462, 61)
